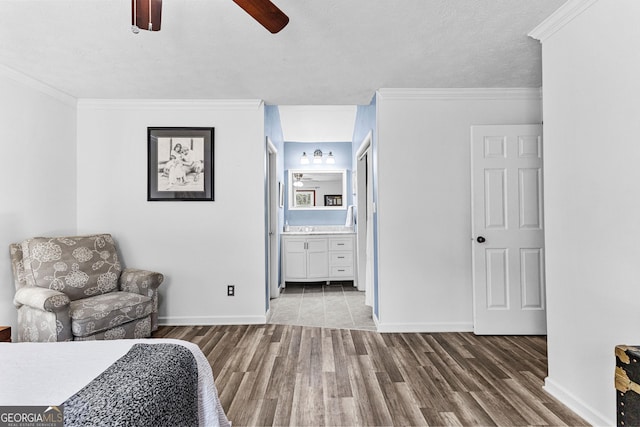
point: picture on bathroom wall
(333, 200)
(305, 198)
(180, 164)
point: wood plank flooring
(284, 375)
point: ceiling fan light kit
(147, 14)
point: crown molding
(37, 85)
(561, 17)
(170, 104)
(451, 94)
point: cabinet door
(295, 259)
(317, 259)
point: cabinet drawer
(341, 244)
(341, 258)
(341, 271)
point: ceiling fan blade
(266, 13)
(146, 14)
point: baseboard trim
(211, 320)
(576, 405)
(424, 327)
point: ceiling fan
(147, 14)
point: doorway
(273, 196)
(364, 222)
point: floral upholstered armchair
(74, 288)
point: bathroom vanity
(318, 253)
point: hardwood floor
(285, 375)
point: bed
(78, 375)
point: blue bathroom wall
(365, 123)
(273, 129)
(343, 153)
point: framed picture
(333, 200)
(305, 198)
(281, 194)
(179, 164)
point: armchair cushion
(80, 267)
(102, 312)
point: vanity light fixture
(330, 159)
(317, 156)
(297, 180)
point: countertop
(315, 232)
(301, 230)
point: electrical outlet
(231, 290)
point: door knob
(481, 239)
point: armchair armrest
(142, 282)
(41, 299)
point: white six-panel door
(508, 230)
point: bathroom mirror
(317, 189)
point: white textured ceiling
(332, 52)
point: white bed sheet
(44, 374)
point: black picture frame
(305, 198)
(180, 163)
(333, 200)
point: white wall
(201, 247)
(424, 200)
(38, 173)
(592, 197)
(317, 123)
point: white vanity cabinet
(305, 258)
(313, 257)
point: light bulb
(317, 157)
(330, 159)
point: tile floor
(338, 305)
